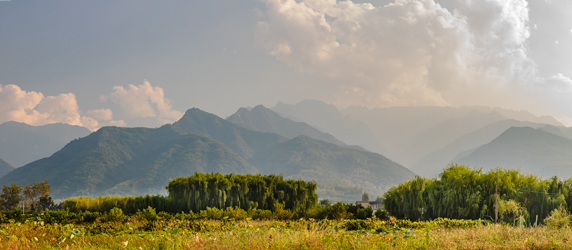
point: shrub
(260, 214)
(114, 215)
(559, 218)
(213, 213)
(280, 213)
(337, 211)
(149, 214)
(381, 214)
(165, 215)
(88, 216)
(235, 213)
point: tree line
(461, 192)
(33, 197)
(212, 190)
(199, 191)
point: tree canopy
(461, 192)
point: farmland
(175, 232)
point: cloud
(559, 83)
(101, 114)
(409, 52)
(144, 101)
(36, 109)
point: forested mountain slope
(129, 161)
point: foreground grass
(177, 234)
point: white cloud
(409, 52)
(144, 101)
(559, 83)
(36, 109)
(101, 114)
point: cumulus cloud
(409, 52)
(144, 101)
(101, 114)
(36, 109)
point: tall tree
(34, 191)
(365, 196)
(10, 197)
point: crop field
(135, 232)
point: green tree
(10, 197)
(34, 191)
(365, 196)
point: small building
(373, 204)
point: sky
(144, 62)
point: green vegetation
(310, 159)
(464, 193)
(128, 161)
(139, 161)
(33, 197)
(114, 230)
(200, 191)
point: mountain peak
(265, 120)
(5, 168)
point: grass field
(172, 233)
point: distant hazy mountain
(130, 161)
(448, 131)
(243, 141)
(533, 150)
(21, 143)
(5, 168)
(263, 119)
(410, 133)
(310, 159)
(329, 119)
(432, 164)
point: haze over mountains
(21, 143)
(424, 139)
(531, 150)
(345, 151)
(141, 160)
(263, 119)
(5, 168)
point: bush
(559, 218)
(337, 211)
(381, 214)
(149, 214)
(114, 215)
(282, 214)
(235, 213)
(165, 216)
(88, 216)
(212, 213)
(260, 214)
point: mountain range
(21, 143)
(432, 164)
(343, 150)
(128, 161)
(5, 168)
(531, 150)
(263, 119)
